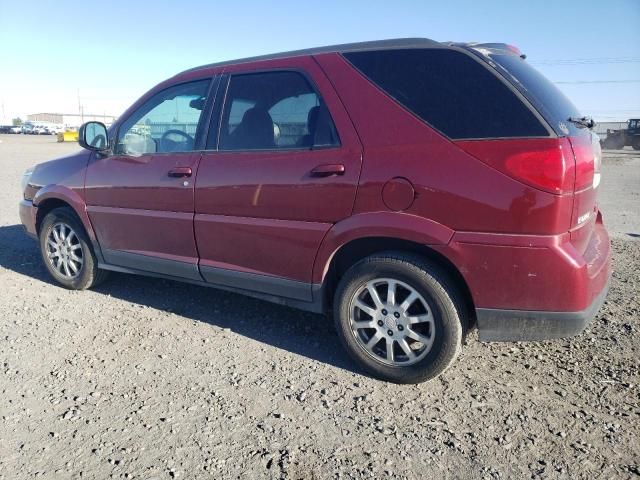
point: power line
(589, 61)
(577, 82)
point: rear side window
(274, 110)
(450, 91)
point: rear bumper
(532, 287)
(496, 325)
(28, 213)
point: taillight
(597, 159)
(543, 163)
(588, 160)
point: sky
(55, 55)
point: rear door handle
(328, 169)
(180, 172)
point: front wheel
(66, 251)
(400, 317)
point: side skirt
(300, 295)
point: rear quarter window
(449, 90)
(544, 95)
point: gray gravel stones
(144, 379)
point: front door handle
(328, 169)
(180, 172)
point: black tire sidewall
(88, 270)
(435, 288)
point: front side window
(274, 110)
(165, 123)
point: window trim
(229, 76)
(199, 128)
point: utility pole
(80, 109)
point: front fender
(394, 225)
(69, 196)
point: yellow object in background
(68, 136)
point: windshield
(552, 104)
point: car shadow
(302, 333)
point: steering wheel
(167, 145)
(99, 141)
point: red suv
(413, 188)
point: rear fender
(394, 225)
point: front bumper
(495, 325)
(28, 214)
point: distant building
(70, 119)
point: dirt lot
(145, 378)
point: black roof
(342, 48)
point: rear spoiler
(486, 48)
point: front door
(283, 168)
(140, 199)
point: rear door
(282, 167)
(140, 199)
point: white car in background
(41, 130)
(16, 129)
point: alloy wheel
(392, 322)
(64, 250)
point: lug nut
(389, 332)
(384, 312)
(380, 322)
(400, 327)
(396, 314)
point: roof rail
(345, 47)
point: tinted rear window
(449, 90)
(544, 95)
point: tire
(438, 304)
(636, 144)
(75, 244)
(609, 144)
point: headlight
(25, 179)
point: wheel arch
(56, 196)
(356, 249)
(47, 206)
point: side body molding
(394, 225)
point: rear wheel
(400, 317)
(66, 251)
(636, 143)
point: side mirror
(93, 136)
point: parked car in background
(416, 189)
(27, 129)
(41, 130)
(5, 128)
(17, 129)
(55, 129)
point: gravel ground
(146, 378)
